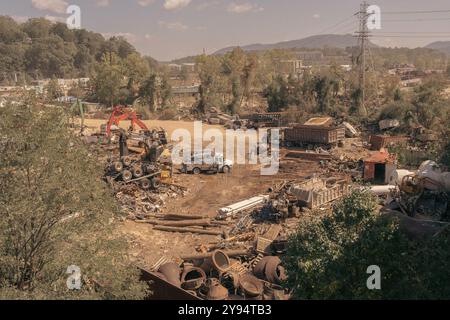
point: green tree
(277, 94)
(136, 69)
(37, 28)
(428, 101)
(327, 258)
(323, 89)
(53, 90)
(212, 83)
(156, 91)
(56, 212)
(108, 80)
(233, 64)
(10, 30)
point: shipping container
(378, 142)
(313, 135)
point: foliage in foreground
(56, 212)
(328, 257)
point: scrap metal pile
(425, 192)
(226, 275)
(140, 204)
(142, 182)
(244, 262)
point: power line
(415, 20)
(417, 32)
(416, 12)
(415, 37)
(337, 24)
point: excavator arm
(121, 113)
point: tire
(138, 172)
(226, 169)
(127, 175)
(118, 166)
(196, 171)
(146, 184)
(155, 183)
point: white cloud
(57, 6)
(148, 36)
(178, 26)
(243, 7)
(316, 16)
(175, 4)
(103, 3)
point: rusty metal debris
(171, 272)
(317, 192)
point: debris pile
(140, 204)
(425, 192)
(226, 275)
(244, 262)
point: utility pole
(363, 35)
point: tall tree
(108, 80)
(56, 213)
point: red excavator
(122, 113)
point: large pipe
(188, 230)
(230, 253)
(382, 190)
(181, 223)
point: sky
(170, 29)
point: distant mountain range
(341, 41)
(443, 46)
(314, 42)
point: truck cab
(208, 163)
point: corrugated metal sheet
(163, 290)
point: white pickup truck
(216, 164)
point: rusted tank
(305, 134)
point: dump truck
(305, 134)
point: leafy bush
(327, 258)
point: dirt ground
(206, 194)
